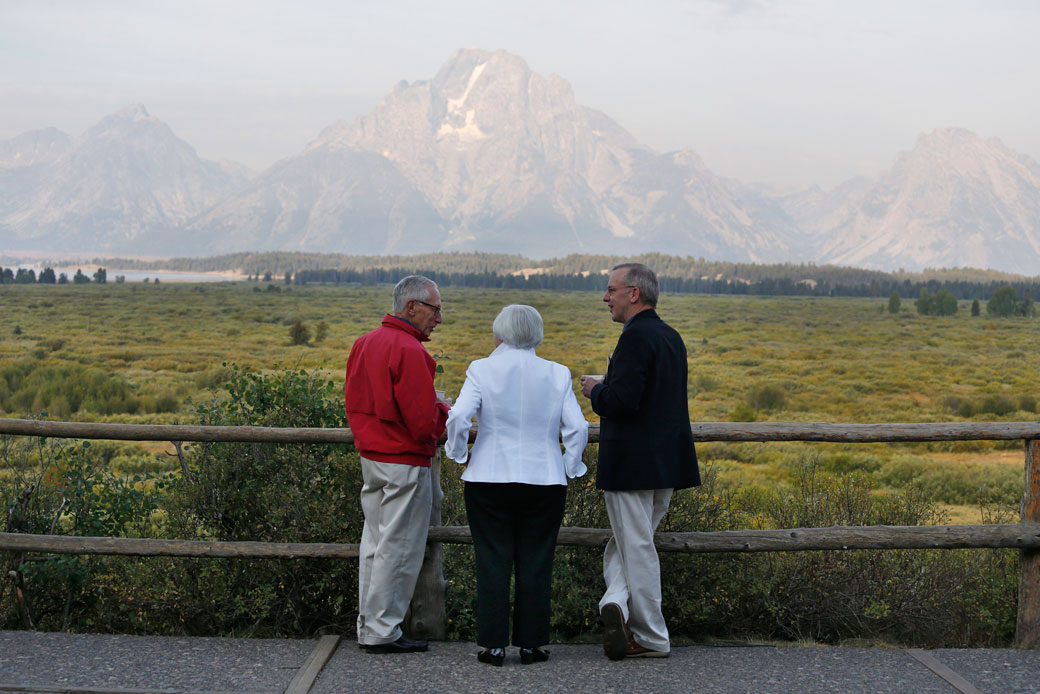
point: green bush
(299, 333)
(910, 597)
(308, 493)
(30, 387)
(705, 383)
(953, 484)
(270, 493)
(67, 489)
(768, 397)
(743, 412)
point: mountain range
(489, 155)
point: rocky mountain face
(35, 147)
(326, 199)
(955, 200)
(126, 184)
(488, 155)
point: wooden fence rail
(702, 431)
(1024, 536)
(1012, 535)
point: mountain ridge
(488, 155)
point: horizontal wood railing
(702, 431)
(1011, 535)
(1024, 536)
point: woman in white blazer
(516, 479)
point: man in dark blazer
(645, 453)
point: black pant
(514, 526)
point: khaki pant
(396, 501)
(631, 568)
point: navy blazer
(645, 438)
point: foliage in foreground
(296, 493)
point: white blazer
(522, 403)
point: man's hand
(588, 383)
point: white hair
(412, 288)
(518, 325)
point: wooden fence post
(427, 617)
(1027, 630)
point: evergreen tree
(1027, 309)
(1004, 302)
(299, 333)
(101, 276)
(47, 276)
(944, 303)
(893, 303)
(925, 303)
(975, 307)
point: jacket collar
(648, 313)
(398, 323)
(503, 348)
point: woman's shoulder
(555, 367)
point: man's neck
(397, 315)
(637, 309)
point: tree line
(48, 276)
(581, 272)
(277, 263)
(937, 293)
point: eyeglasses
(611, 290)
(436, 309)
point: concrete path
(42, 663)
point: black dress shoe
(492, 656)
(401, 645)
(533, 655)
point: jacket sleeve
(627, 376)
(413, 390)
(460, 417)
(575, 433)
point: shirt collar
(398, 323)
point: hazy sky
(784, 92)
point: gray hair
(644, 279)
(412, 288)
(518, 325)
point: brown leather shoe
(636, 651)
(615, 635)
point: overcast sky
(784, 92)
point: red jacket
(391, 405)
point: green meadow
(139, 353)
(228, 353)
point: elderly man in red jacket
(396, 418)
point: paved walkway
(42, 663)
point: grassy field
(150, 348)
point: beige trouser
(630, 565)
(396, 501)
